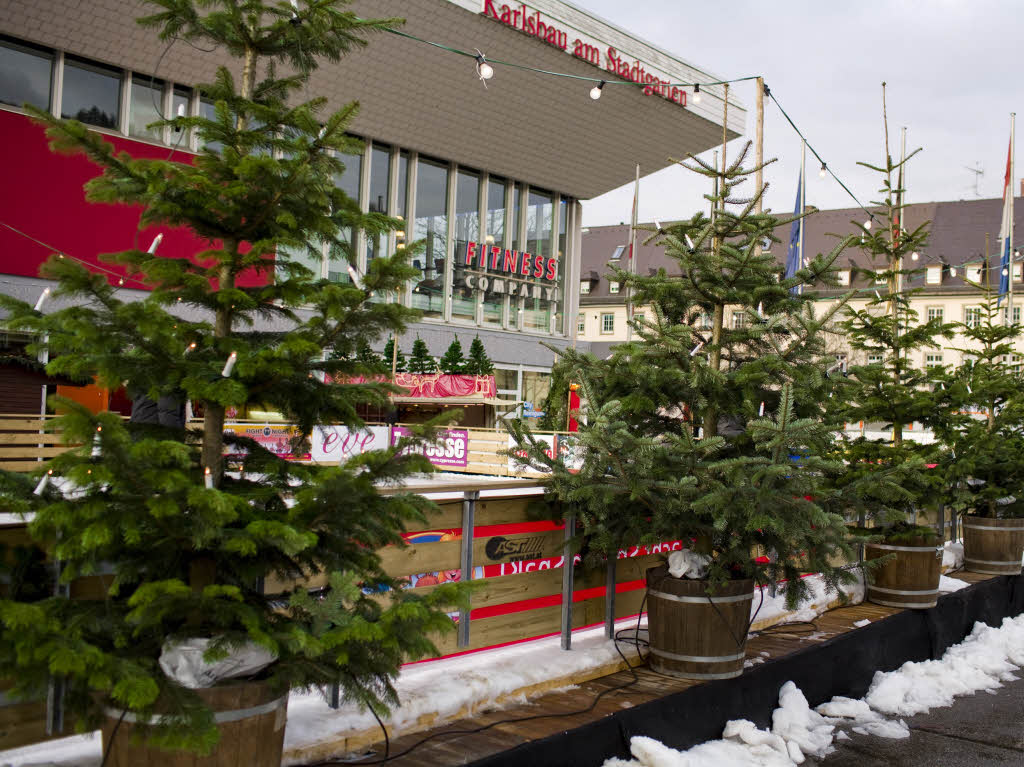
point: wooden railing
(24, 443)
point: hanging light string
(110, 272)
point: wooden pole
(759, 146)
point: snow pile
(983, 661)
(953, 556)
(818, 601)
(688, 564)
(861, 623)
(946, 584)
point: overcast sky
(954, 75)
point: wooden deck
(451, 744)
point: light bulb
(822, 171)
(952, 271)
(595, 92)
(867, 224)
(1005, 271)
(484, 70)
(696, 93)
(914, 256)
(181, 110)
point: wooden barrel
(251, 720)
(910, 579)
(693, 634)
(993, 546)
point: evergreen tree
(453, 362)
(369, 361)
(478, 363)
(420, 362)
(980, 409)
(894, 392)
(390, 353)
(188, 553)
(710, 427)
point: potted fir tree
(709, 429)
(185, 544)
(984, 467)
(891, 391)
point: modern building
(488, 174)
(953, 258)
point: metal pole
(567, 584)
(759, 148)
(469, 499)
(609, 599)
(1009, 233)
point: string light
(823, 171)
(190, 347)
(96, 451)
(760, 411)
(696, 93)
(952, 271)
(867, 224)
(42, 299)
(595, 92)
(229, 365)
(483, 70)
(155, 244)
(914, 256)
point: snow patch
(861, 623)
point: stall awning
(460, 401)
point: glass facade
(380, 187)
(91, 93)
(145, 108)
(493, 304)
(467, 230)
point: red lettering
(470, 252)
(489, 9)
(538, 266)
(495, 255)
(613, 61)
(531, 25)
(674, 95)
(515, 18)
(525, 264)
(511, 261)
(552, 266)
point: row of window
(448, 206)
(606, 322)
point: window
(581, 323)
(933, 360)
(584, 287)
(380, 177)
(972, 316)
(841, 362)
(879, 279)
(1013, 361)
(494, 237)
(91, 93)
(145, 107)
(1018, 268)
(349, 182)
(974, 272)
(608, 323)
(540, 241)
(467, 229)
(25, 75)
(933, 276)
(613, 287)
(1016, 315)
(208, 109)
(739, 320)
(935, 313)
(431, 225)
(843, 276)
(706, 321)
(875, 359)
(617, 253)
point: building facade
(488, 176)
(950, 268)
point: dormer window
(974, 272)
(617, 253)
(613, 287)
(843, 276)
(934, 275)
(584, 287)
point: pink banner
(436, 384)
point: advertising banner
(563, 445)
(451, 450)
(274, 437)
(336, 444)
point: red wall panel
(42, 195)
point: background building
(501, 166)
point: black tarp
(843, 665)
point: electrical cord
(635, 640)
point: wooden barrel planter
(993, 546)
(910, 579)
(251, 720)
(693, 634)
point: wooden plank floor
(461, 741)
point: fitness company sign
(506, 272)
(450, 450)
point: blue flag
(793, 254)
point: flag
(793, 254)
(1006, 229)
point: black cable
(389, 757)
(113, 735)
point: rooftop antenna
(978, 172)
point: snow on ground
(983, 661)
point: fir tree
(420, 362)
(478, 363)
(710, 427)
(189, 558)
(391, 354)
(453, 362)
(369, 361)
(894, 392)
(980, 410)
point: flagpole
(632, 257)
(903, 198)
(1009, 232)
(803, 203)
